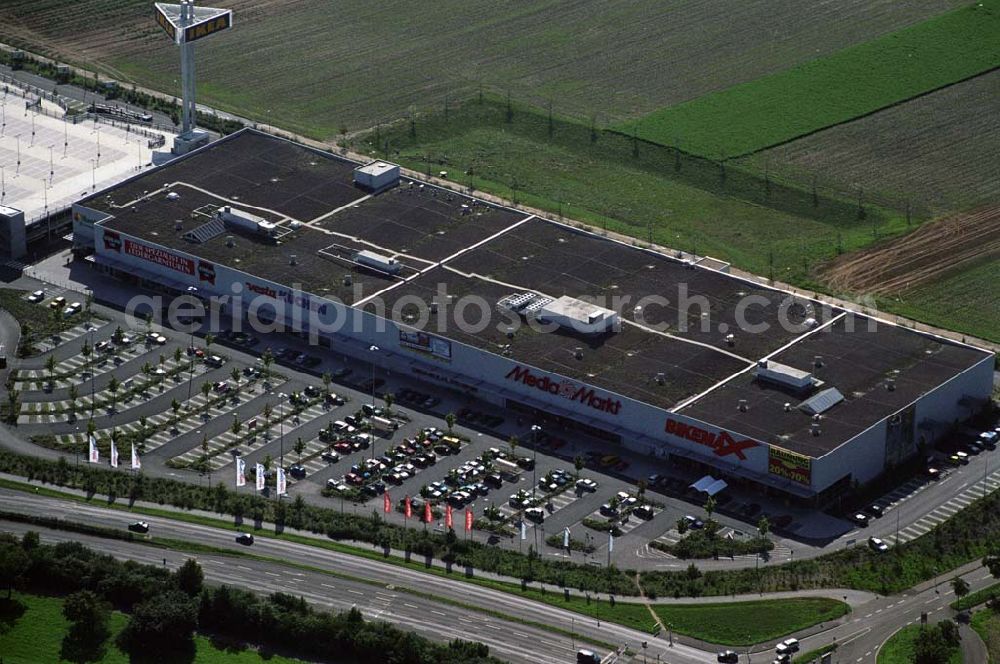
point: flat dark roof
(857, 360)
(474, 247)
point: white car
(37, 296)
(877, 545)
(586, 484)
(72, 309)
(343, 427)
(787, 647)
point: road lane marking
(355, 592)
(437, 613)
(327, 585)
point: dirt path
(921, 256)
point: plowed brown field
(923, 255)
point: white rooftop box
(377, 176)
(782, 374)
(578, 315)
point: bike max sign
(566, 389)
(722, 444)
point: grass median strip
(976, 598)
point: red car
(353, 478)
(343, 447)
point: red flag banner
(468, 520)
(386, 503)
(428, 516)
(448, 523)
(407, 508)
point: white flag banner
(114, 455)
(136, 464)
(282, 484)
(241, 472)
(258, 472)
(566, 538)
(611, 542)
(524, 530)
(94, 455)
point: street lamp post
(373, 349)
(535, 430)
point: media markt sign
(566, 389)
(722, 444)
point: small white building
(580, 316)
(377, 176)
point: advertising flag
(428, 515)
(386, 503)
(258, 472)
(93, 455)
(611, 542)
(468, 519)
(448, 523)
(241, 472)
(566, 538)
(136, 464)
(282, 482)
(114, 455)
(524, 531)
(407, 508)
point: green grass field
(987, 625)
(314, 66)
(608, 183)
(36, 636)
(747, 623)
(966, 300)
(830, 90)
(899, 648)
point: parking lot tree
(178, 355)
(299, 447)
(206, 389)
(204, 444)
(267, 463)
(117, 335)
(209, 340)
(147, 372)
(163, 360)
(682, 526)
(327, 378)
(143, 423)
(268, 359)
(449, 419)
(175, 406)
(961, 588)
(267, 414)
(512, 442)
(74, 394)
(50, 366)
(710, 505)
(56, 315)
(640, 489)
(578, 464)
(236, 425)
(86, 350)
(389, 398)
(113, 386)
(13, 405)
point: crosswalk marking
(950, 508)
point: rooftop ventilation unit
(378, 262)
(293, 259)
(230, 241)
(818, 361)
(246, 222)
(661, 378)
(785, 376)
(742, 407)
(577, 315)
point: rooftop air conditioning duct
(817, 361)
(814, 429)
(730, 339)
(293, 259)
(661, 378)
(230, 242)
(742, 407)
(578, 352)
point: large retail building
(642, 349)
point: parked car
(644, 512)
(36, 296)
(330, 456)
(139, 527)
(877, 545)
(860, 519)
(788, 646)
(874, 511)
(694, 522)
(536, 514)
(297, 471)
(58, 302)
(74, 309)
(727, 657)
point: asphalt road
(860, 636)
(448, 622)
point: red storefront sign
(721, 443)
(566, 389)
